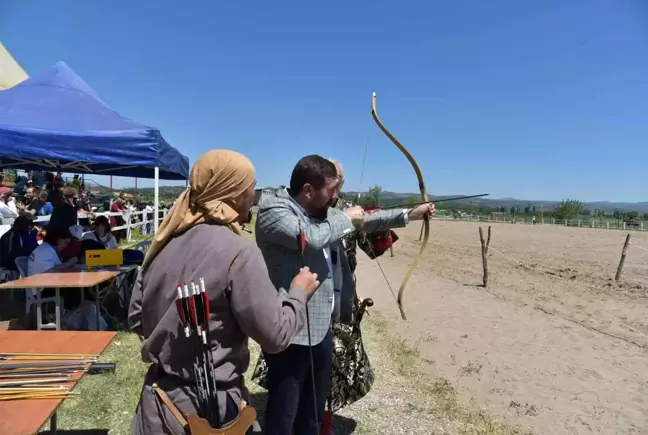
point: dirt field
(553, 344)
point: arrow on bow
(424, 198)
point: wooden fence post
(623, 257)
(484, 249)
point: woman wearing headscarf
(201, 238)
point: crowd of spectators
(69, 207)
(73, 227)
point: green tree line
(567, 209)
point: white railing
(582, 223)
(132, 220)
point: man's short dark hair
(313, 170)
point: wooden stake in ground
(391, 251)
(622, 260)
(484, 249)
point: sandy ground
(553, 344)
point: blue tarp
(56, 119)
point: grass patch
(136, 237)
(108, 401)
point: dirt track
(554, 345)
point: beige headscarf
(217, 179)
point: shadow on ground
(343, 425)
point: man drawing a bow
(298, 377)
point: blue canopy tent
(56, 121)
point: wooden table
(21, 417)
(57, 280)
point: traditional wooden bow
(424, 198)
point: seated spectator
(7, 206)
(46, 256)
(19, 241)
(102, 233)
(37, 203)
(64, 214)
(31, 193)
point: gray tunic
(243, 301)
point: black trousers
(291, 399)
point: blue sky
(527, 99)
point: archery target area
(552, 341)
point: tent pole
(156, 189)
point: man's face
(320, 200)
(29, 193)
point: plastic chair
(22, 264)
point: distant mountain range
(391, 197)
(507, 203)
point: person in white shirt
(102, 233)
(46, 256)
(6, 209)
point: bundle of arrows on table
(43, 376)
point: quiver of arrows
(192, 305)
